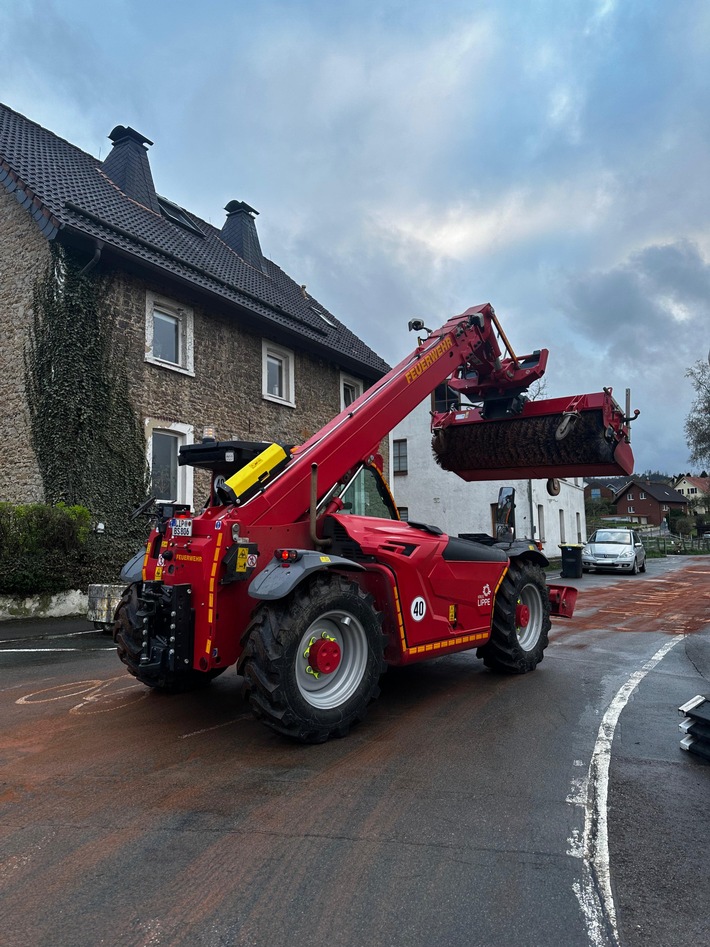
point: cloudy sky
(413, 158)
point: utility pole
(628, 409)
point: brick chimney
(128, 167)
(239, 233)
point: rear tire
(283, 693)
(514, 647)
(128, 637)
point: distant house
(647, 502)
(696, 490)
(217, 336)
(601, 488)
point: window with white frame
(169, 480)
(169, 334)
(350, 390)
(629, 496)
(630, 509)
(642, 495)
(277, 374)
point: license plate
(181, 527)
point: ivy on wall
(88, 441)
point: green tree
(697, 424)
(594, 509)
(680, 523)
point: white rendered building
(426, 493)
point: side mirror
(505, 515)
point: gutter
(94, 260)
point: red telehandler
(300, 571)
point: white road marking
(593, 890)
(48, 650)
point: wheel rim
(530, 600)
(343, 632)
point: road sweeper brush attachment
(586, 435)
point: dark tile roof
(68, 192)
(658, 491)
(612, 483)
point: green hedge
(48, 549)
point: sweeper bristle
(527, 446)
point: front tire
(128, 637)
(521, 621)
(290, 687)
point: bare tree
(538, 390)
(697, 424)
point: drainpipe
(530, 501)
(94, 260)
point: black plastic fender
(278, 579)
(524, 549)
(133, 569)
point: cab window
(367, 495)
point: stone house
(648, 502)
(217, 335)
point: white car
(618, 550)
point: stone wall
(24, 253)
(225, 392)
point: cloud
(480, 226)
(415, 159)
(655, 302)
(646, 320)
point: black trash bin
(571, 560)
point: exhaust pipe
(316, 540)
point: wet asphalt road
(459, 813)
